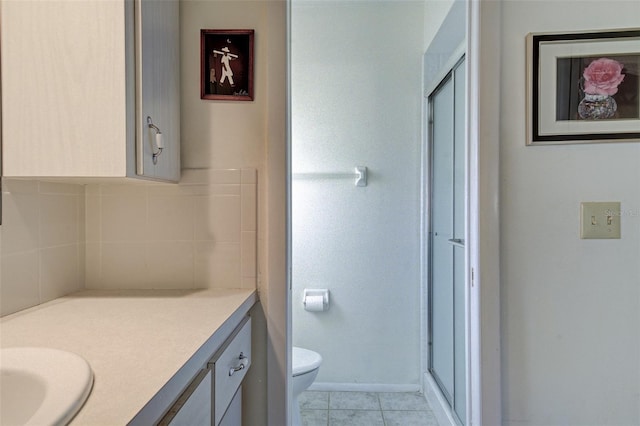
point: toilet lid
(304, 361)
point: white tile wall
(59, 238)
(42, 246)
(200, 233)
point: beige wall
(224, 134)
(219, 134)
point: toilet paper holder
(311, 297)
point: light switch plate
(600, 220)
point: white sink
(42, 386)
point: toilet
(305, 366)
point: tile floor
(365, 408)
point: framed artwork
(583, 87)
(226, 65)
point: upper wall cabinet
(91, 89)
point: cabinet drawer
(230, 365)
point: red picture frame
(226, 65)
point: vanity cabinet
(88, 86)
(214, 396)
(194, 406)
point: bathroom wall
(240, 135)
(356, 100)
(42, 245)
(200, 233)
(570, 307)
(223, 134)
(435, 11)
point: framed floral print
(226, 65)
(583, 87)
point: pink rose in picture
(602, 77)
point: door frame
(483, 40)
(444, 412)
(483, 116)
(441, 58)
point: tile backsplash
(59, 238)
(42, 243)
(200, 233)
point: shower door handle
(458, 242)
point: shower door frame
(481, 47)
(442, 57)
(451, 78)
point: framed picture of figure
(226, 65)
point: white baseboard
(439, 405)
(363, 387)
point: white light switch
(600, 220)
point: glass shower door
(447, 251)
(442, 259)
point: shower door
(447, 361)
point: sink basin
(42, 386)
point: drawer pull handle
(242, 365)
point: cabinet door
(80, 79)
(64, 94)
(233, 416)
(157, 89)
(193, 408)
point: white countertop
(135, 341)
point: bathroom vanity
(158, 356)
(214, 396)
